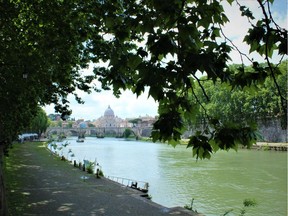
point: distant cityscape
(108, 120)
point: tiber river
(175, 177)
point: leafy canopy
(154, 44)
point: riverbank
(38, 183)
(270, 146)
(258, 146)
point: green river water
(175, 177)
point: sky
(129, 106)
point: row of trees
(242, 105)
(225, 108)
(159, 45)
(39, 123)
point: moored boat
(80, 140)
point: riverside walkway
(38, 183)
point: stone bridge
(99, 131)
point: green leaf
(110, 22)
(283, 48)
(200, 152)
(262, 50)
(214, 146)
(230, 1)
(155, 92)
(254, 46)
(160, 57)
(201, 148)
(155, 134)
(173, 142)
(139, 89)
(133, 62)
(224, 18)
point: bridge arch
(98, 131)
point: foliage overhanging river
(216, 185)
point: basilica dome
(109, 112)
(83, 125)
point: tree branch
(202, 88)
(267, 22)
(235, 47)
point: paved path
(42, 184)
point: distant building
(83, 125)
(109, 120)
(110, 124)
(146, 121)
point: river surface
(175, 177)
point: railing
(139, 185)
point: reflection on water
(216, 185)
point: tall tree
(41, 54)
(39, 123)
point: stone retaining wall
(270, 131)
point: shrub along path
(38, 183)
